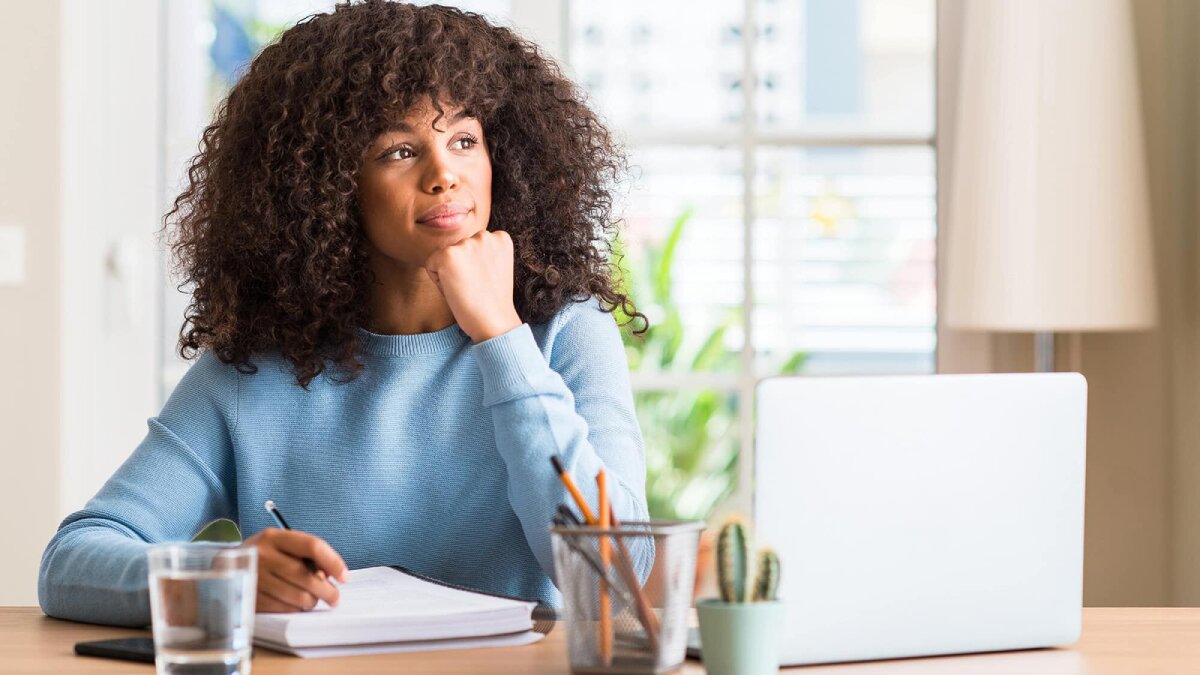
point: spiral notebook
(390, 609)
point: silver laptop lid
(923, 515)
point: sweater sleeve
(180, 477)
(576, 404)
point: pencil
(569, 482)
(645, 613)
(606, 635)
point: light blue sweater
(436, 458)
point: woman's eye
(465, 143)
(401, 153)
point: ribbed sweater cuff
(507, 361)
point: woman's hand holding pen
(475, 276)
(285, 583)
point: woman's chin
(451, 236)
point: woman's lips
(445, 215)
(447, 221)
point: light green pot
(740, 638)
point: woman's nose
(440, 177)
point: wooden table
(1126, 641)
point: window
(784, 227)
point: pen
(568, 515)
(269, 505)
(591, 559)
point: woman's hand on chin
(475, 276)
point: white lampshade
(1049, 220)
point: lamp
(1048, 206)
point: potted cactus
(740, 631)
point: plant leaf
(794, 363)
(712, 350)
(666, 260)
(221, 530)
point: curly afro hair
(268, 233)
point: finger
(433, 276)
(436, 260)
(295, 572)
(285, 589)
(265, 603)
(304, 545)
(293, 598)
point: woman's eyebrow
(401, 126)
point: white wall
(110, 213)
(29, 318)
(79, 172)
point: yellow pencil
(565, 477)
(606, 636)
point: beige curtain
(1142, 540)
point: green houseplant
(691, 434)
(740, 631)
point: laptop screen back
(923, 515)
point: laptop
(925, 515)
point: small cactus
(767, 581)
(733, 560)
(736, 571)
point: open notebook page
(383, 604)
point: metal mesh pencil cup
(648, 580)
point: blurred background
(789, 213)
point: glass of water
(202, 607)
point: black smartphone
(139, 649)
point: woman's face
(421, 189)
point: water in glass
(202, 605)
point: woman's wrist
(494, 327)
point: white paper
(382, 605)
(510, 640)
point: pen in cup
(591, 559)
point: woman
(395, 230)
